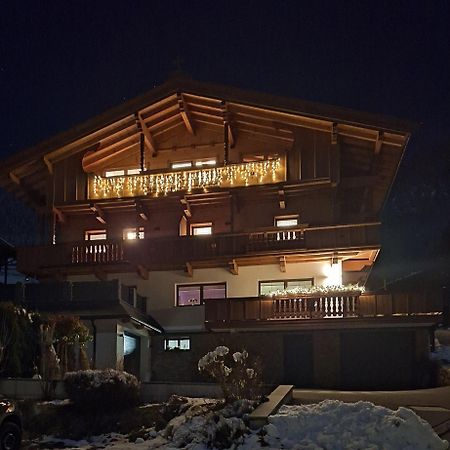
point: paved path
(433, 405)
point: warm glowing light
(181, 165)
(244, 174)
(209, 162)
(333, 274)
(114, 173)
(317, 290)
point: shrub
(238, 375)
(102, 389)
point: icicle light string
(165, 183)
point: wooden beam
(233, 267)
(379, 142)
(142, 271)
(33, 195)
(59, 214)
(283, 263)
(186, 207)
(14, 178)
(141, 210)
(149, 141)
(99, 214)
(227, 120)
(281, 199)
(185, 113)
(189, 269)
(49, 164)
(334, 133)
(100, 274)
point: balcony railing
(173, 252)
(351, 305)
(233, 175)
(66, 295)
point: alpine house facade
(198, 215)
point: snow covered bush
(102, 389)
(238, 376)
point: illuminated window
(207, 162)
(181, 165)
(196, 294)
(133, 171)
(114, 173)
(95, 235)
(266, 287)
(201, 229)
(286, 221)
(177, 344)
(130, 233)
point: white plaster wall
(160, 288)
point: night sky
(63, 62)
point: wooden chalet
(203, 200)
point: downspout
(94, 343)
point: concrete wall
(396, 363)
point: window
(206, 163)
(266, 287)
(114, 173)
(196, 294)
(201, 229)
(130, 233)
(256, 157)
(122, 172)
(177, 165)
(181, 165)
(177, 344)
(286, 221)
(95, 235)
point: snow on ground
(441, 353)
(329, 425)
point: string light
(317, 290)
(244, 174)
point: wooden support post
(281, 199)
(233, 266)
(185, 114)
(186, 207)
(283, 263)
(59, 214)
(142, 271)
(100, 274)
(379, 142)
(148, 138)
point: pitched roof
(185, 102)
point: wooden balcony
(163, 183)
(354, 306)
(175, 252)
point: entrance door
(131, 353)
(298, 360)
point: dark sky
(65, 61)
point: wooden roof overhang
(183, 104)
